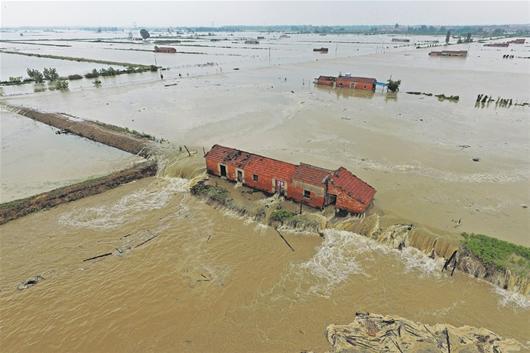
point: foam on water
(127, 208)
(508, 298)
(416, 260)
(336, 260)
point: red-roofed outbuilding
(313, 186)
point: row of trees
(48, 74)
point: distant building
(401, 40)
(458, 53)
(517, 41)
(347, 81)
(251, 41)
(321, 50)
(165, 50)
(497, 45)
(326, 80)
(313, 186)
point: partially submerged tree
(447, 37)
(35, 75)
(144, 33)
(50, 74)
(61, 85)
(393, 86)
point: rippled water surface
(210, 282)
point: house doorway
(222, 169)
(240, 176)
(331, 199)
(280, 187)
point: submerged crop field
(119, 234)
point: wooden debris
(285, 240)
(98, 256)
(147, 240)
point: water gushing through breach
(128, 208)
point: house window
(254, 177)
(307, 194)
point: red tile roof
(353, 186)
(272, 168)
(253, 162)
(310, 174)
(357, 79)
(260, 165)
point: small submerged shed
(313, 186)
(169, 50)
(347, 81)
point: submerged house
(313, 186)
(458, 53)
(165, 50)
(348, 81)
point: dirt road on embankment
(110, 135)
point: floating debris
(30, 282)
(442, 97)
(484, 100)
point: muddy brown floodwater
(186, 277)
(210, 282)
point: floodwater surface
(211, 282)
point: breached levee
(393, 334)
(110, 135)
(19, 208)
(450, 250)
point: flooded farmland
(214, 282)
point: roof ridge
(253, 154)
(302, 164)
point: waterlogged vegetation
(498, 253)
(56, 82)
(271, 214)
(212, 192)
(130, 69)
(281, 215)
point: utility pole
(269, 55)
